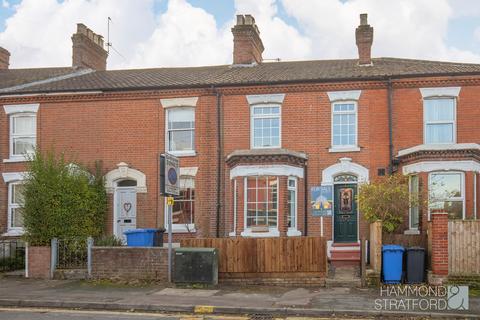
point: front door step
(345, 254)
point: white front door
(125, 210)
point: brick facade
(124, 263)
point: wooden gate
(241, 258)
(464, 247)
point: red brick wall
(130, 127)
(130, 263)
(439, 254)
(39, 261)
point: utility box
(196, 265)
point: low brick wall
(125, 263)
(39, 260)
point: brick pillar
(440, 244)
(39, 262)
(282, 206)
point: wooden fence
(241, 258)
(464, 247)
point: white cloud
(39, 32)
(407, 28)
(5, 4)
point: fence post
(54, 255)
(89, 256)
(362, 259)
(376, 245)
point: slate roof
(265, 73)
(16, 77)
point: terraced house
(253, 137)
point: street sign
(169, 175)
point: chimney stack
(247, 45)
(88, 51)
(4, 58)
(364, 39)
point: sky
(171, 33)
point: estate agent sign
(322, 201)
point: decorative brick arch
(345, 166)
(124, 172)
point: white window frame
(252, 127)
(13, 230)
(13, 135)
(180, 153)
(344, 148)
(454, 121)
(413, 229)
(181, 227)
(272, 231)
(293, 230)
(462, 187)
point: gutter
(391, 168)
(218, 97)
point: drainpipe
(305, 206)
(390, 125)
(219, 158)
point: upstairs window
(344, 124)
(181, 130)
(439, 115)
(23, 134)
(265, 126)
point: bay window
(183, 211)
(446, 193)
(292, 203)
(261, 201)
(439, 120)
(414, 218)
(15, 206)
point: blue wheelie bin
(392, 263)
(141, 237)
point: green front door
(345, 213)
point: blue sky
(146, 32)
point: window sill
(270, 233)
(181, 228)
(294, 233)
(344, 149)
(411, 232)
(16, 159)
(190, 153)
(13, 233)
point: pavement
(222, 300)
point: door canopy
(345, 166)
(124, 172)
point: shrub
(62, 200)
(108, 241)
(386, 199)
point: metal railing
(71, 253)
(12, 255)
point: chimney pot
(247, 44)
(363, 19)
(4, 58)
(88, 51)
(364, 40)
